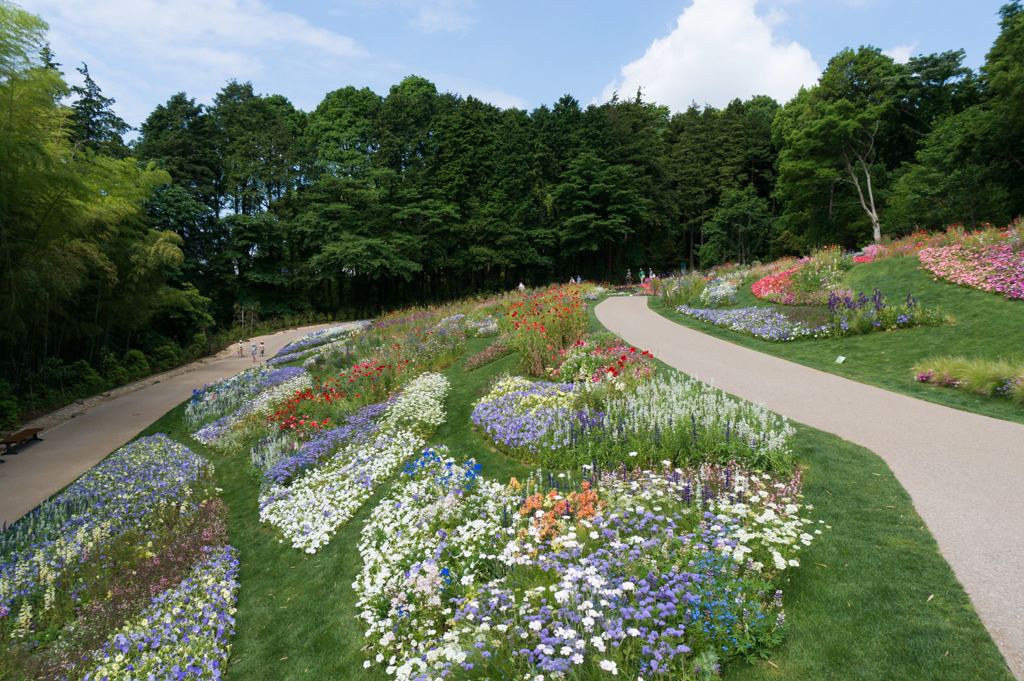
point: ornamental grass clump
(651, 574)
(682, 290)
(992, 378)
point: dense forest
(248, 207)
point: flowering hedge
(663, 573)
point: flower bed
(260, 406)
(228, 395)
(545, 323)
(316, 342)
(720, 293)
(809, 282)
(760, 322)
(599, 363)
(310, 509)
(184, 634)
(998, 268)
(660, 573)
(849, 315)
(675, 419)
(147, 510)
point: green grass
(986, 327)
(858, 606)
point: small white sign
(840, 359)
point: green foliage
(84, 379)
(165, 357)
(990, 377)
(740, 228)
(93, 122)
(114, 371)
(136, 365)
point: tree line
(248, 207)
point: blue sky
(522, 54)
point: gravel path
(964, 472)
(78, 437)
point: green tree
(740, 229)
(93, 121)
(181, 137)
(839, 134)
(598, 207)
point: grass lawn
(986, 327)
(858, 606)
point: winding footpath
(964, 472)
(80, 436)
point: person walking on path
(629, 277)
(239, 347)
(253, 352)
(261, 349)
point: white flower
(609, 666)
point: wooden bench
(19, 437)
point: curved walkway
(82, 435)
(964, 472)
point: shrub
(10, 414)
(85, 380)
(166, 357)
(136, 364)
(113, 371)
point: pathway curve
(964, 472)
(78, 437)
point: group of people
(254, 349)
(643, 279)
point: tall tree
(93, 121)
(840, 134)
(181, 137)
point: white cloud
(184, 45)
(901, 53)
(442, 15)
(719, 50)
